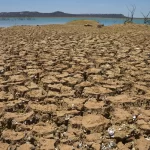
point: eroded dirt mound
(67, 87)
(83, 22)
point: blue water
(7, 22)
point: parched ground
(67, 87)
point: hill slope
(56, 14)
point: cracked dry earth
(67, 87)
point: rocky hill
(56, 14)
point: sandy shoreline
(70, 86)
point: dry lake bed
(70, 87)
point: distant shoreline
(73, 17)
(60, 14)
(57, 14)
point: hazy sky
(76, 6)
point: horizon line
(57, 11)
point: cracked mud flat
(68, 87)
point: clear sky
(76, 6)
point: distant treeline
(57, 14)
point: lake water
(7, 22)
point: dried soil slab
(143, 123)
(3, 81)
(18, 117)
(22, 54)
(10, 135)
(23, 127)
(62, 116)
(10, 84)
(94, 123)
(144, 112)
(142, 89)
(26, 146)
(1, 69)
(76, 103)
(110, 74)
(95, 90)
(60, 95)
(6, 75)
(72, 134)
(94, 137)
(43, 129)
(146, 77)
(93, 106)
(17, 78)
(47, 144)
(60, 67)
(65, 147)
(65, 91)
(142, 143)
(2, 107)
(95, 78)
(36, 94)
(20, 89)
(96, 146)
(49, 108)
(123, 131)
(13, 105)
(55, 87)
(83, 84)
(31, 85)
(49, 79)
(53, 94)
(121, 100)
(121, 146)
(33, 71)
(4, 146)
(100, 61)
(114, 86)
(143, 117)
(121, 116)
(50, 101)
(3, 96)
(76, 122)
(62, 75)
(93, 71)
(71, 81)
(4, 87)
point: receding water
(7, 22)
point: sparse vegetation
(131, 12)
(146, 18)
